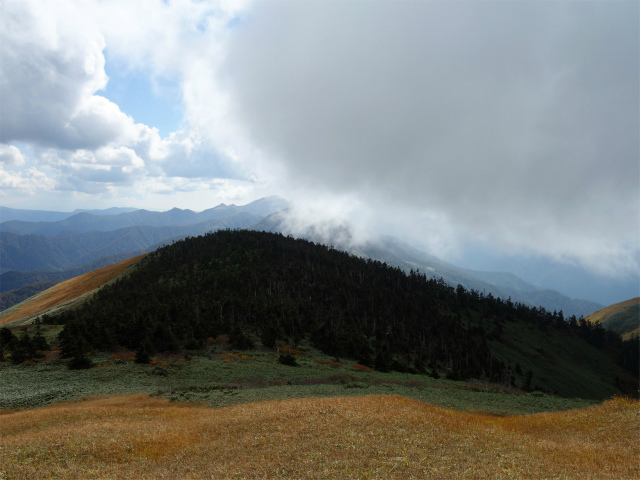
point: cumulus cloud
(54, 68)
(10, 155)
(116, 166)
(517, 123)
(29, 182)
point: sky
(510, 127)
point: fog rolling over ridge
(508, 128)
(73, 244)
(398, 253)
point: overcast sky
(507, 124)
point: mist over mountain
(397, 253)
(571, 278)
(84, 237)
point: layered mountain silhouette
(46, 251)
(235, 217)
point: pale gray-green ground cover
(210, 379)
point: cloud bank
(53, 58)
(511, 123)
(506, 125)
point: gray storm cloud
(515, 122)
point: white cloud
(510, 124)
(52, 65)
(513, 123)
(10, 155)
(53, 70)
(29, 182)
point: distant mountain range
(61, 247)
(573, 280)
(84, 237)
(237, 217)
(8, 214)
(72, 243)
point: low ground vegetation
(218, 377)
(360, 437)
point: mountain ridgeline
(268, 288)
(47, 246)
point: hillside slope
(13, 279)
(255, 286)
(622, 318)
(67, 291)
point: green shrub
(80, 362)
(288, 359)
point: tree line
(257, 286)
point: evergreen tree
(24, 349)
(40, 343)
(74, 345)
(142, 355)
(238, 340)
(288, 359)
(270, 334)
(381, 362)
(7, 340)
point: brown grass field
(610, 310)
(68, 290)
(369, 437)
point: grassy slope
(623, 318)
(561, 364)
(223, 379)
(9, 298)
(362, 437)
(66, 291)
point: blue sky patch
(156, 102)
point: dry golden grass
(68, 290)
(606, 312)
(362, 437)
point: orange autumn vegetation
(347, 437)
(236, 356)
(282, 350)
(69, 290)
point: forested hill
(268, 288)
